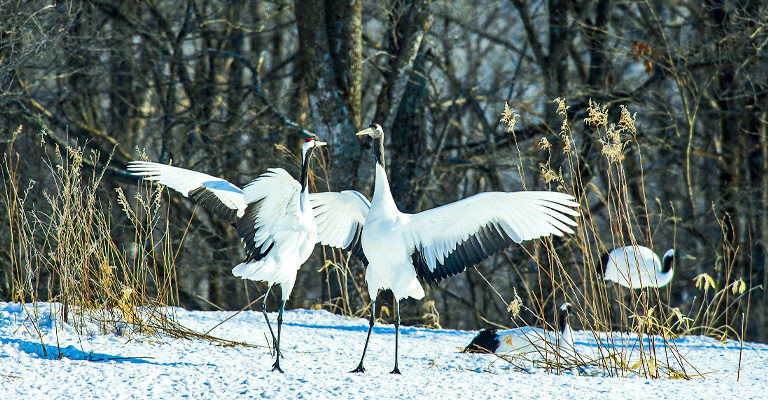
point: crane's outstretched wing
(215, 194)
(272, 214)
(448, 239)
(340, 217)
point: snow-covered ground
(319, 349)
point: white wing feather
(273, 206)
(436, 233)
(185, 181)
(339, 216)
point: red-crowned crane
(527, 339)
(274, 217)
(441, 242)
(638, 267)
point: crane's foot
(276, 367)
(360, 369)
(396, 371)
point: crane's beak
(366, 131)
(686, 256)
(320, 144)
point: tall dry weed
(634, 330)
(62, 249)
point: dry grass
(351, 295)
(66, 247)
(634, 329)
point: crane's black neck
(604, 263)
(305, 169)
(667, 263)
(378, 150)
(562, 320)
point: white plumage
(273, 215)
(278, 229)
(340, 217)
(438, 243)
(215, 194)
(638, 267)
(527, 339)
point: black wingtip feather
(356, 246)
(210, 202)
(487, 241)
(422, 269)
(475, 249)
(247, 231)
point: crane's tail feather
(263, 270)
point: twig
(209, 302)
(741, 348)
(233, 315)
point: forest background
(231, 88)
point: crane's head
(374, 130)
(673, 254)
(311, 143)
(667, 262)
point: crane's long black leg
(264, 311)
(360, 367)
(276, 365)
(397, 334)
